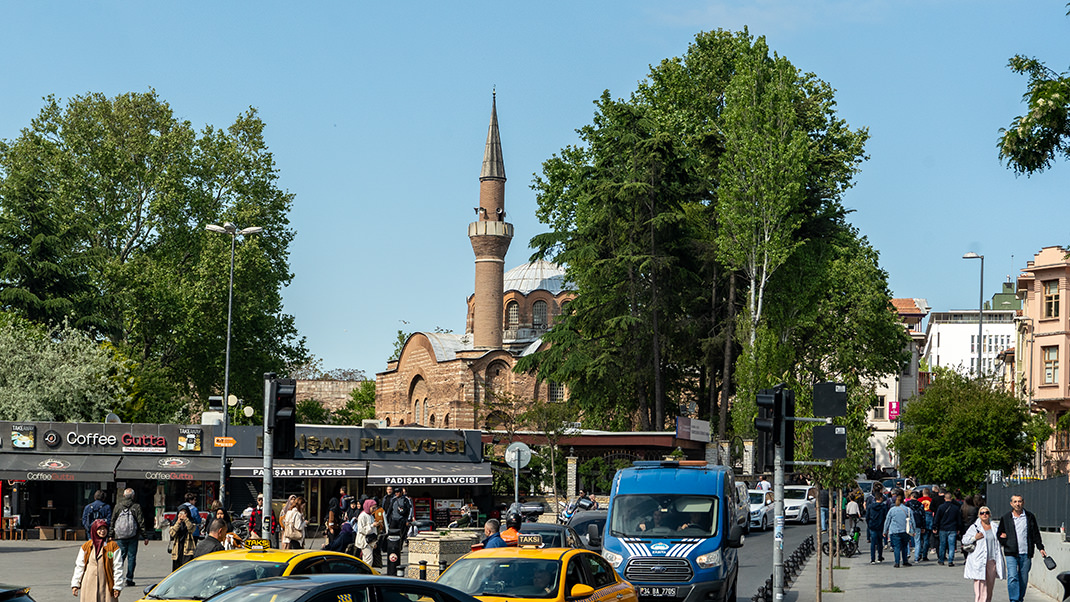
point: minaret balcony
(482, 228)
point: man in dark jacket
(917, 516)
(490, 529)
(1019, 534)
(127, 510)
(948, 525)
(98, 508)
(823, 503)
(217, 530)
(876, 511)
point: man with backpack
(97, 509)
(917, 516)
(127, 525)
(397, 518)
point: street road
(756, 556)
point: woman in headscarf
(366, 532)
(182, 541)
(345, 538)
(334, 520)
(99, 567)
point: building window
(1051, 364)
(1051, 299)
(512, 315)
(555, 392)
(538, 315)
(446, 421)
(879, 409)
(431, 421)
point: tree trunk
(726, 378)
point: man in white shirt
(1019, 533)
(763, 484)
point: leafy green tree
(130, 188)
(359, 406)
(961, 428)
(1037, 138)
(554, 421)
(312, 411)
(59, 374)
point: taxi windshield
(199, 579)
(664, 516)
(512, 577)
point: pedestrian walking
(96, 510)
(256, 520)
(948, 524)
(380, 528)
(293, 524)
(917, 515)
(333, 521)
(897, 526)
(823, 507)
(231, 540)
(127, 527)
(876, 512)
(346, 538)
(764, 484)
(194, 514)
(854, 513)
(182, 541)
(985, 562)
(1019, 535)
(367, 536)
(969, 510)
(213, 541)
(98, 567)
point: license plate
(658, 591)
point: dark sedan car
(581, 522)
(14, 593)
(341, 588)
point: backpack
(125, 524)
(98, 513)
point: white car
(761, 509)
(800, 503)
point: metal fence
(1049, 499)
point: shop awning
(428, 473)
(300, 469)
(169, 468)
(43, 467)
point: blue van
(672, 531)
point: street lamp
(233, 231)
(980, 307)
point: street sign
(225, 441)
(830, 399)
(517, 455)
(830, 442)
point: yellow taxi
(528, 572)
(218, 571)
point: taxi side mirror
(579, 591)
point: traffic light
(787, 427)
(768, 426)
(284, 393)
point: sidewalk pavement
(48, 565)
(859, 580)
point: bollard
(423, 570)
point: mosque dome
(537, 275)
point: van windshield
(664, 516)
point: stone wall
(333, 394)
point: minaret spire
(490, 236)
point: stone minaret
(490, 235)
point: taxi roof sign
(528, 539)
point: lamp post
(233, 231)
(980, 307)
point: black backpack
(98, 513)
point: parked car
(761, 508)
(14, 593)
(581, 523)
(546, 575)
(742, 501)
(898, 483)
(213, 573)
(800, 503)
(333, 588)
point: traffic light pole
(778, 524)
(269, 411)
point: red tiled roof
(906, 306)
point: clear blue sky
(377, 114)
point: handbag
(968, 548)
(371, 538)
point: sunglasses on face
(986, 512)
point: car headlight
(755, 512)
(612, 558)
(708, 561)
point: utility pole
(269, 427)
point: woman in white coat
(366, 527)
(986, 562)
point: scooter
(848, 543)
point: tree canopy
(961, 428)
(103, 207)
(726, 164)
(1036, 139)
